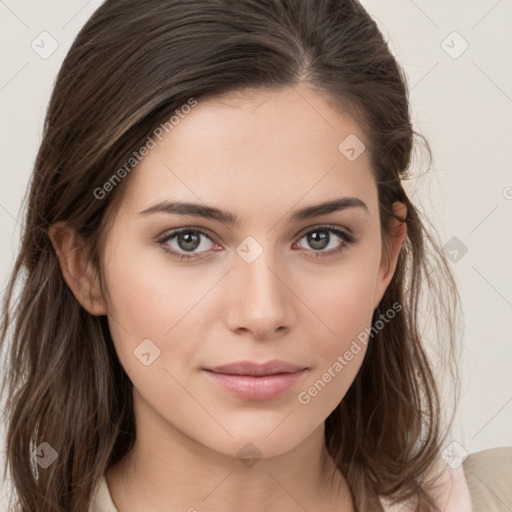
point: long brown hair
(134, 64)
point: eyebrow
(227, 217)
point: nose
(261, 303)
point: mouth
(252, 381)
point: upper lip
(258, 369)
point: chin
(258, 443)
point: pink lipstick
(253, 381)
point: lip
(254, 381)
(257, 369)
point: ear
(76, 269)
(390, 252)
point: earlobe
(76, 269)
(390, 254)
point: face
(270, 279)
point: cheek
(344, 304)
(151, 299)
(343, 299)
(148, 289)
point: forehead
(256, 149)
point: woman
(223, 272)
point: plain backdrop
(456, 55)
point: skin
(261, 156)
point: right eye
(181, 243)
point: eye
(321, 238)
(186, 240)
(186, 243)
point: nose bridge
(257, 266)
(262, 299)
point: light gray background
(462, 105)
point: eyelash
(348, 240)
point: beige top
(103, 501)
(457, 498)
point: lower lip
(249, 387)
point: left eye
(321, 238)
(180, 242)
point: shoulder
(489, 479)
(483, 482)
(450, 491)
(102, 501)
